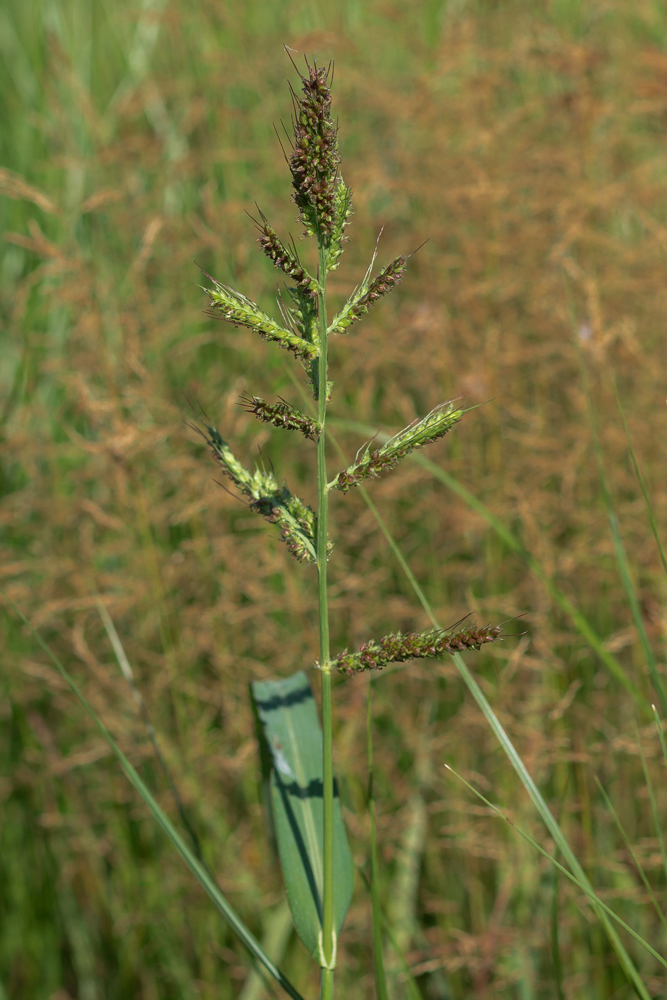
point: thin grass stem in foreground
(521, 770)
(583, 885)
(631, 850)
(193, 863)
(642, 484)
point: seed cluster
(401, 646)
(296, 520)
(284, 258)
(315, 159)
(228, 304)
(422, 432)
(367, 295)
(282, 414)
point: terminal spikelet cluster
(315, 158)
(365, 297)
(401, 646)
(370, 464)
(282, 414)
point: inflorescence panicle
(401, 646)
(315, 159)
(282, 414)
(368, 293)
(369, 464)
(295, 519)
(228, 304)
(285, 258)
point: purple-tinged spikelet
(284, 258)
(282, 414)
(365, 297)
(370, 464)
(315, 159)
(401, 646)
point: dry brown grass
(531, 155)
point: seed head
(296, 520)
(422, 432)
(365, 297)
(401, 646)
(282, 414)
(315, 159)
(284, 258)
(228, 304)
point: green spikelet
(228, 304)
(370, 464)
(402, 646)
(296, 521)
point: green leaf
(293, 743)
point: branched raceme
(401, 646)
(324, 204)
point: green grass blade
(654, 807)
(549, 821)
(626, 841)
(555, 939)
(195, 866)
(128, 674)
(380, 977)
(661, 734)
(583, 884)
(621, 557)
(413, 988)
(525, 778)
(579, 620)
(293, 743)
(654, 527)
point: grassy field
(527, 143)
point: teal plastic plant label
(293, 742)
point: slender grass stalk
(661, 735)
(522, 772)
(621, 557)
(378, 958)
(555, 938)
(193, 863)
(654, 806)
(654, 527)
(633, 855)
(128, 674)
(328, 941)
(582, 884)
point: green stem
(327, 958)
(380, 979)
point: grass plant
(526, 144)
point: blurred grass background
(526, 142)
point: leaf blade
(292, 735)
